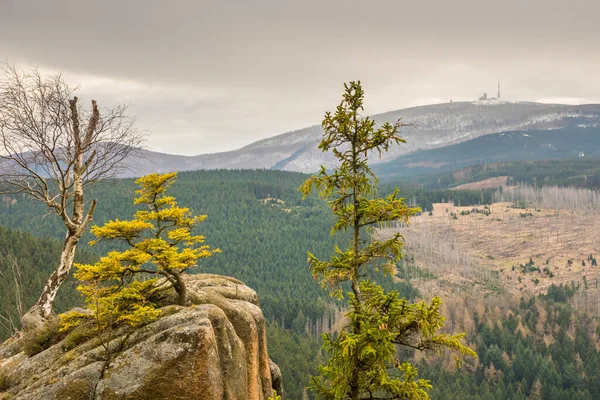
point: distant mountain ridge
(431, 127)
(563, 143)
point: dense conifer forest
(538, 348)
(515, 147)
(582, 172)
(257, 218)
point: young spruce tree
(363, 360)
(160, 244)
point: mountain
(431, 127)
(562, 143)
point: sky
(209, 76)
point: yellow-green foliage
(114, 305)
(161, 244)
(159, 236)
(274, 396)
(363, 359)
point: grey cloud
(230, 72)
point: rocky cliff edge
(213, 349)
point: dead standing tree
(11, 285)
(51, 150)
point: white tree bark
(51, 150)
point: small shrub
(519, 205)
(531, 262)
(79, 335)
(548, 272)
(5, 382)
(38, 340)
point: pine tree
(363, 357)
(160, 244)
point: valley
(464, 251)
(303, 200)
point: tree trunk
(58, 276)
(75, 229)
(42, 309)
(355, 374)
(180, 288)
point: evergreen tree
(160, 243)
(364, 359)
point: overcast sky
(207, 76)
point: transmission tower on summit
(498, 89)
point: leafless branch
(52, 148)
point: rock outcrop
(213, 349)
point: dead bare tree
(11, 283)
(51, 149)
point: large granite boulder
(215, 348)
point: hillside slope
(563, 143)
(432, 126)
(257, 219)
(582, 172)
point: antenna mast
(498, 88)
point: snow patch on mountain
(429, 127)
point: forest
(505, 147)
(262, 226)
(257, 218)
(536, 348)
(581, 172)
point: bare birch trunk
(42, 309)
(76, 225)
(43, 129)
(59, 275)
